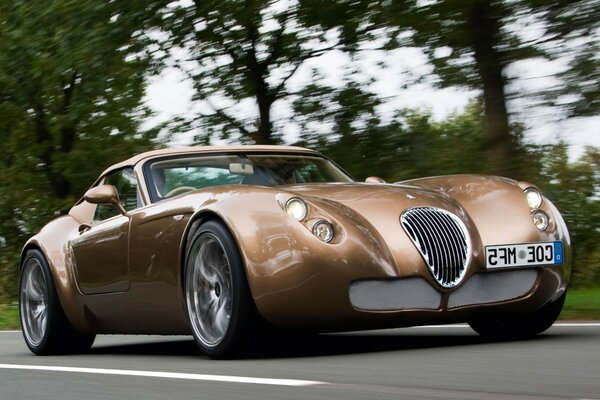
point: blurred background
(397, 89)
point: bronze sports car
(220, 241)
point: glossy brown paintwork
(295, 279)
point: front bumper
(398, 302)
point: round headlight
(540, 219)
(323, 230)
(534, 197)
(296, 208)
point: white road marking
(169, 375)
(413, 392)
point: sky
(170, 95)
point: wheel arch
(193, 225)
(35, 245)
(31, 245)
(53, 243)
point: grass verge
(581, 304)
(9, 316)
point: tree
(465, 40)
(573, 33)
(72, 77)
(412, 145)
(575, 189)
(244, 52)
(472, 43)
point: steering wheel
(179, 190)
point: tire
(220, 309)
(44, 325)
(520, 326)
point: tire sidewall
(239, 287)
(52, 302)
(521, 325)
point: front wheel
(220, 309)
(520, 326)
(45, 327)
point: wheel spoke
(221, 321)
(38, 311)
(43, 320)
(37, 285)
(207, 272)
(33, 288)
(34, 302)
(208, 290)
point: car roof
(206, 149)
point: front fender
(283, 258)
(52, 241)
(499, 209)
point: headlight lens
(540, 219)
(323, 230)
(534, 197)
(296, 208)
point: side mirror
(104, 194)
(374, 179)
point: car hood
(370, 199)
(372, 212)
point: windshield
(167, 177)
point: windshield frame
(155, 197)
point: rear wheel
(520, 326)
(220, 309)
(45, 328)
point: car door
(101, 252)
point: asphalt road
(414, 363)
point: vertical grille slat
(459, 237)
(431, 239)
(442, 240)
(449, 247)
(439, 244)
(455, 243)
(423, 242)
(448, 253)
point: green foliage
(582, 304)
(9, 317)
(575, 189)
(412, 146)
(472, 43)
(573, 34)
(72, 77)
(242, 52)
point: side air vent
(442, 240)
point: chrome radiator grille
(441, 239)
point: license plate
(524, 255)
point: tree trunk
(484, 27)
(257, 74)
(264, 134)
